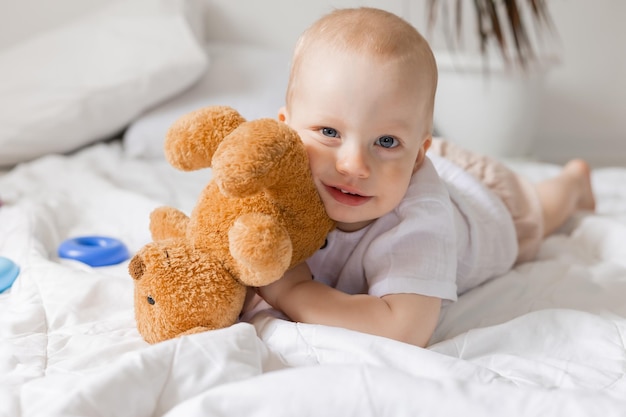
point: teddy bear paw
(261, 247)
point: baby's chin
(352, 226)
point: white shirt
(448, 234)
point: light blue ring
(94, 250)
(8, 273)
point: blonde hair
(371, 32)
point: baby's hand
(280, 289)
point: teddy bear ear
(147, 258)
(192, 140)
(136, 267)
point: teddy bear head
(176, 287)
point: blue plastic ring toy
(8, 273)
(94, 250)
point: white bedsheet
(546, 339)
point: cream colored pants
(517, 193)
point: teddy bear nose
(136, 267)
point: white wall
(21, 19)
(584, 98)
(277, 22)
(583, 103)
(584, 108)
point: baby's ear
(427, 142)
(282, 114)
(422, 153)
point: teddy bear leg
(192, 139)
(258, 155)
(168, 222)
(261, 248)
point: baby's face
(366, 130)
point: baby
(419, 221)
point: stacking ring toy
(94, 250)
(8, 272)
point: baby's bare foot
(580, 170)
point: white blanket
(546, 339)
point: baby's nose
(353, 161)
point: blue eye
(330, 132)
(387, 142)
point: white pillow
(249, 78)
(86, 81)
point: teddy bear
(259, 215)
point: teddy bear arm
(261, 249)
(168, 222)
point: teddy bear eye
(151, 300)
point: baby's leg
(566, 193)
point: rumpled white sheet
(546, 339)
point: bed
(548, 338)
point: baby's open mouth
(347, 197)
(348, 192)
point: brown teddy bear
(259, 215)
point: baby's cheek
(318, 162)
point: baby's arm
(409, 318)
